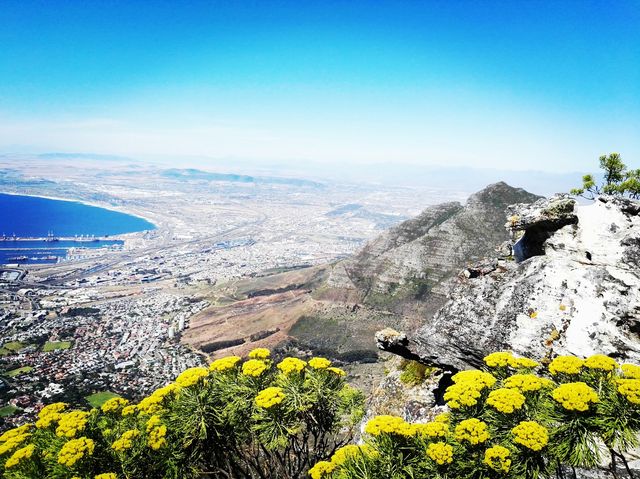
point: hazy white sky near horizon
(507, 85)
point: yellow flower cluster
(506, 400)
(129, 410)
(13, 438)
(71, 423)
(338, 371)
(346, 452)
(125, 441)
(440, 452)
(527, 382)
(503, 359)
(498, 458)
(50, 414)
(601, 362)
(17, 457)
(153, 404)
(114, 405)
(291, 365)
(630, 389)
(388, 425)
(566, 365)
(321, 469)
(260, 353)
(467, 388)
(254, 367)
(473, 430)
(630, 371)
(270, 397)
(74, 450)
(106, 475)
(480, 378)
(531, 435)
(224, 364)
(191, 376)
(575, 396)
(319, 363)
(431, 429)
(157, 433)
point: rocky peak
(574, 289)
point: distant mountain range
(192, 174)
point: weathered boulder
(579, 293)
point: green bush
(413, 372)
(506, 422)
(237, 419)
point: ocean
(33, 217)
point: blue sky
(546, 85)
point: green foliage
(53, 345)
(237, 419)
(413, 372)
(506, 422)
(617, 180)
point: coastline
(88, 203)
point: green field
(98, 399)
(14, 372)
(8, 410)
(10, 348)
(53, 345)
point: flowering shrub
(235, 419)
(516, 420)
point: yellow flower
(431, 429)
(524, 363)
(17, 457)
(270, 397)
(114, 405)
(106, 475)
(628, 371)
(125, 441)
(443, 417)
(260, 353)
(440, 453)
(128, 410)
(601, 362)
(71, 423)
(344, 453)
(480, 378)
(463, 394)
(191, 376)
(498, 458)
(575, 396)
(388, 425)
(531, 435)
(16, 431)
(153, 403)
(506, 400)
(338, 371)
(224, 364)
(157, 432)
(74, 450)
(630, 389)
(473, 430)
(566, 365)
(254, 367)
(527, 382)
(319, 363)
(500, 359)
(13, 438)
(50, 414)
(321, 469)
(291, 365)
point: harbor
(49, 249)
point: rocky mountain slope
(573, 287)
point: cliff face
(411, 262)
(575, 290)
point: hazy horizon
(544, 86)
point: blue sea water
(32, 217)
